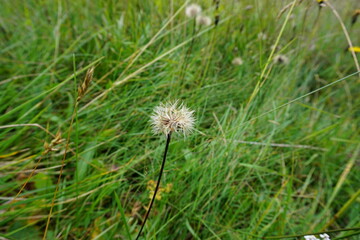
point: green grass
(230, 180)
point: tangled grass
(275, 151)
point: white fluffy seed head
(192, 10)
(237, 61)
(203, 20)
(172, 117)
(281, 59)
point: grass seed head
(203, 20)
(172, 117)
(192, 10)
(51, 147)
(86, 83)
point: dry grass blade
(141, 69)
(49, 147)
(342, 210)
(28, 125)
(138, 53)
(282, 145)
(81, 93)
(340, 183)
(262, 78)
(284, 10)
(346, 35)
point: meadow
(274, 86)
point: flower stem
(168, 138)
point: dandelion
(237, 61)
(203, 20)
(172, 117)
(354, 49)
(168, 118)
(192, 10)
(281, 59)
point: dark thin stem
(157, 184)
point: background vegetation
(228, 180)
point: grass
(276, 149)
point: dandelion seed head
(237, 61)
(203, 20)
(192, 10)
(281, 59)
(172, 117)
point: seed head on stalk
(172, 117)
(192, 10)
(166, 119)
(203, 20)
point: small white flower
(324, 236)
(237, 61)
(281, 59)
(192, 10)
(171, 117)
(203, 20)
(310, 237)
